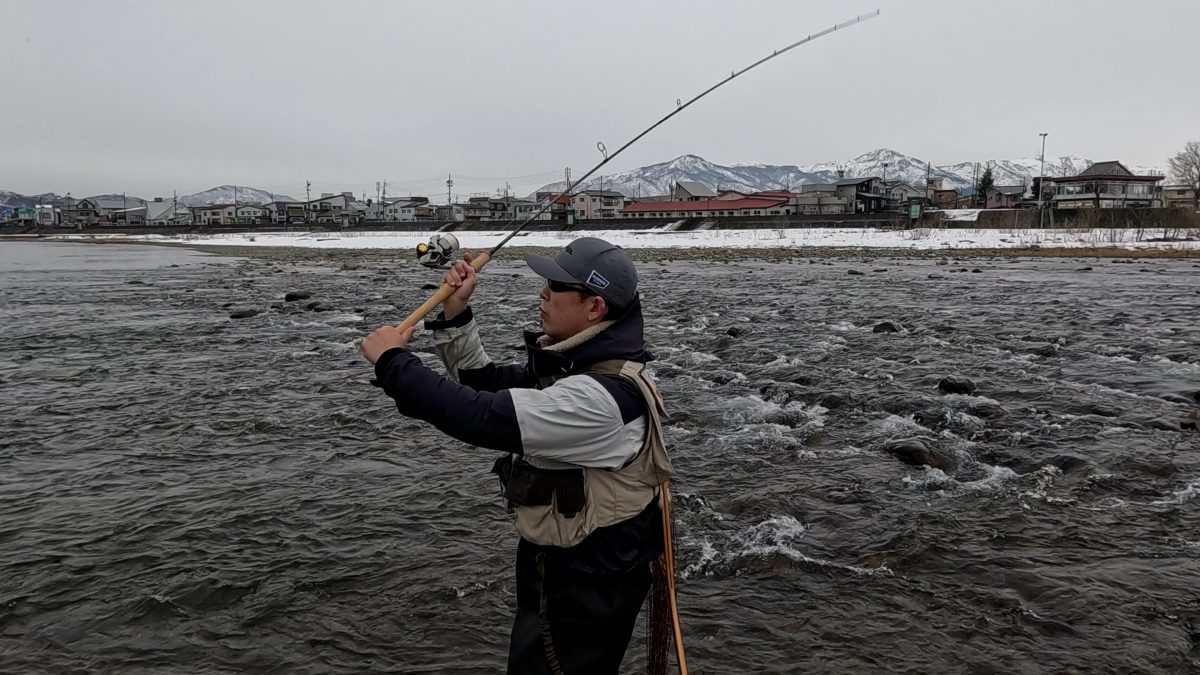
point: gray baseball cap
(604, 268)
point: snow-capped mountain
(657, 179)
(225, 194)
(25, 201)
(128, 200)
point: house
(398, 210)
(1179, 196)
(821, 198)
(214, 214)
(282, 212)
(867, 194)
(709, 208)
(848, 195)
(1105, 185)
(162, 212)
(900, 194)
(45, 215)
(391, 211)
(134, 215)
(250, 214)
(477, 208)
(231, 214)
(450, 212)
(592, 204)
(514, 208)
(1004, 197)
(335, 208)
(560, 204)
(118, 209)
(691, 190)
(82, 212)
(943, 198)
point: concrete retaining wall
(994, 219)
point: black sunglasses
(560, 287)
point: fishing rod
(483, 258)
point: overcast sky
(149, 96)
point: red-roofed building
(710, 208)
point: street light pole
(1042, 178)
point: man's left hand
(383, 339)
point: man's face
(567, 312)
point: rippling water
(183, 492)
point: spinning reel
(441, 251)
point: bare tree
(1185, 165)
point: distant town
(1103, 185)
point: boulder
(854, 272)
(935, 275)
(916, 452)
(738, 331)
(318, 306)
(430, 287)
(956, 384)
(887, 327)
(293, 296)
(1045, 350)
(243, 313)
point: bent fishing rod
(483, 258)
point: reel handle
(439, 297)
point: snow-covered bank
(916, 239)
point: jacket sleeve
(485, 419)
(461, 351)
(577, 420)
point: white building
(44, 214)
(284, 212)
(167, 212)
(335, 208)
(591, 204)
(394, 211)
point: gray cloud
(149, 96)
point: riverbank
(351, 257)
(659, 245)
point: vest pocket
(529, 485)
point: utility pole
(449, 185)
(307, 198)
(174, 206)
(124, 209)
(1041, 178)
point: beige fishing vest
(610, 495)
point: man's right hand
(462, 277)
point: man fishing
(581, 423)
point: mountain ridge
(656, 179)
